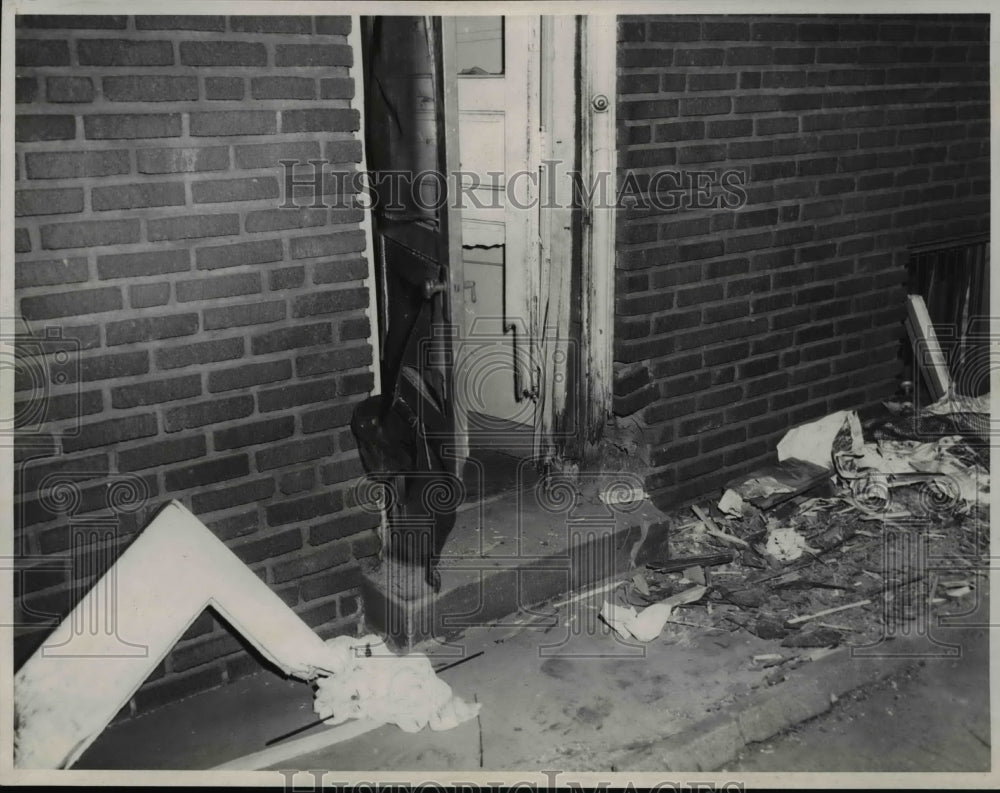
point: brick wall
(857, 137)
(216, 342)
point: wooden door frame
(372, 310)
(557, 244)
(446, 89)
(598, 156)
(570, 125)
(581, 51)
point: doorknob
(432, 287)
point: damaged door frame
(370, 284)
(578, 136)
(598, 166)
(578, 127)
(559, 109)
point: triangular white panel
(92, 664)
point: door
(412, 141)
(497, 59)
(412, 437)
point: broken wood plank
(284, 752)
(825, 612)
(583, 595)
(712, 528)
(928, 355)
(797, 476)
(673, 565)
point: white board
(75, 683)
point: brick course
(149, 238)
(855, 137)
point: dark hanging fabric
(397, 452)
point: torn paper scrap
(647, 624)
(761, 487)
(732, 504)
(957, 403)
(898, 463)
(619, 618)
(813, 442)
(455, 711)
(622, 493)
(785, 544)
(376, 684)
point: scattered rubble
(832, 548)
(785, 544)
(647, 624)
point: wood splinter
(715, 531)
(825, 612)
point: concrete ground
(568, 695)
(930, 716)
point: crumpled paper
(900, 460)
(813, 442)
(647, 624)
(732, 504)
(374, 683)
(785, 544)
(957, 403)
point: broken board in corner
(799, 475)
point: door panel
(482, 141)
(411, 128)
(523, 142)
(412, 437)
(498, 130)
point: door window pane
(479, 47)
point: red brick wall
(858, 137)
(219, 341)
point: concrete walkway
(932, 716)
(566, 695)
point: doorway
(499, 158)
(484, 283)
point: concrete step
(508, 553)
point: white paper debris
(731, 504)
(899, 462)
(785, 544)
(379, 685)
(619, 618)
(956, 403)
(622, 493)
(647, 624)
(762, 487)
(812, 442)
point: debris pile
(859, 529)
